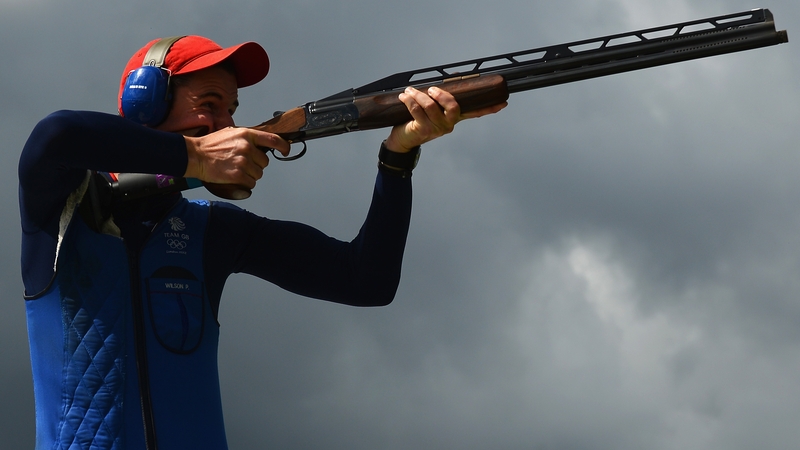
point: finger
(270, 140)
(444, 113)
(433, 111)
(415, 102)
(244, 176)
(248, 161)
(447, 102)
(259, 157)
(250, 169)
(430, 118)
(256, 172)
(239, 170)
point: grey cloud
(605, 264)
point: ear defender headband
(146, 95)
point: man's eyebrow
(210, 93)
(216, 95)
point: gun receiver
(488, 81)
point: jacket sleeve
(362, 272)
(55, 160)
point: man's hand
(231, 156)
(435, 114)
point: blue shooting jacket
(135, 359)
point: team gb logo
(177, 224)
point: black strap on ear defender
(157, 53)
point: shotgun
(488, 81)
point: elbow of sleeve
(43, 139)
(376, 301)
(58, 125)
(384, 299)
(380, 290)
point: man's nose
(224, 120)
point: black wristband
(400, 164)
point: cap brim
(249, 59)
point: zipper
(139, 336)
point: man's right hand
(232, 156)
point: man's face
(202, 103)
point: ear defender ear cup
(146, 95)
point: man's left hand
(435, 113)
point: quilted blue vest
(124, 346)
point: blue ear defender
(145, 97)
(146, 94)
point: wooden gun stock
(386, 110)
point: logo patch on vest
(176, 240)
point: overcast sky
(610, 264)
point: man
(122, 311)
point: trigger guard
(289, 158)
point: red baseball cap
(192, 53)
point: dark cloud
(605, 264)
